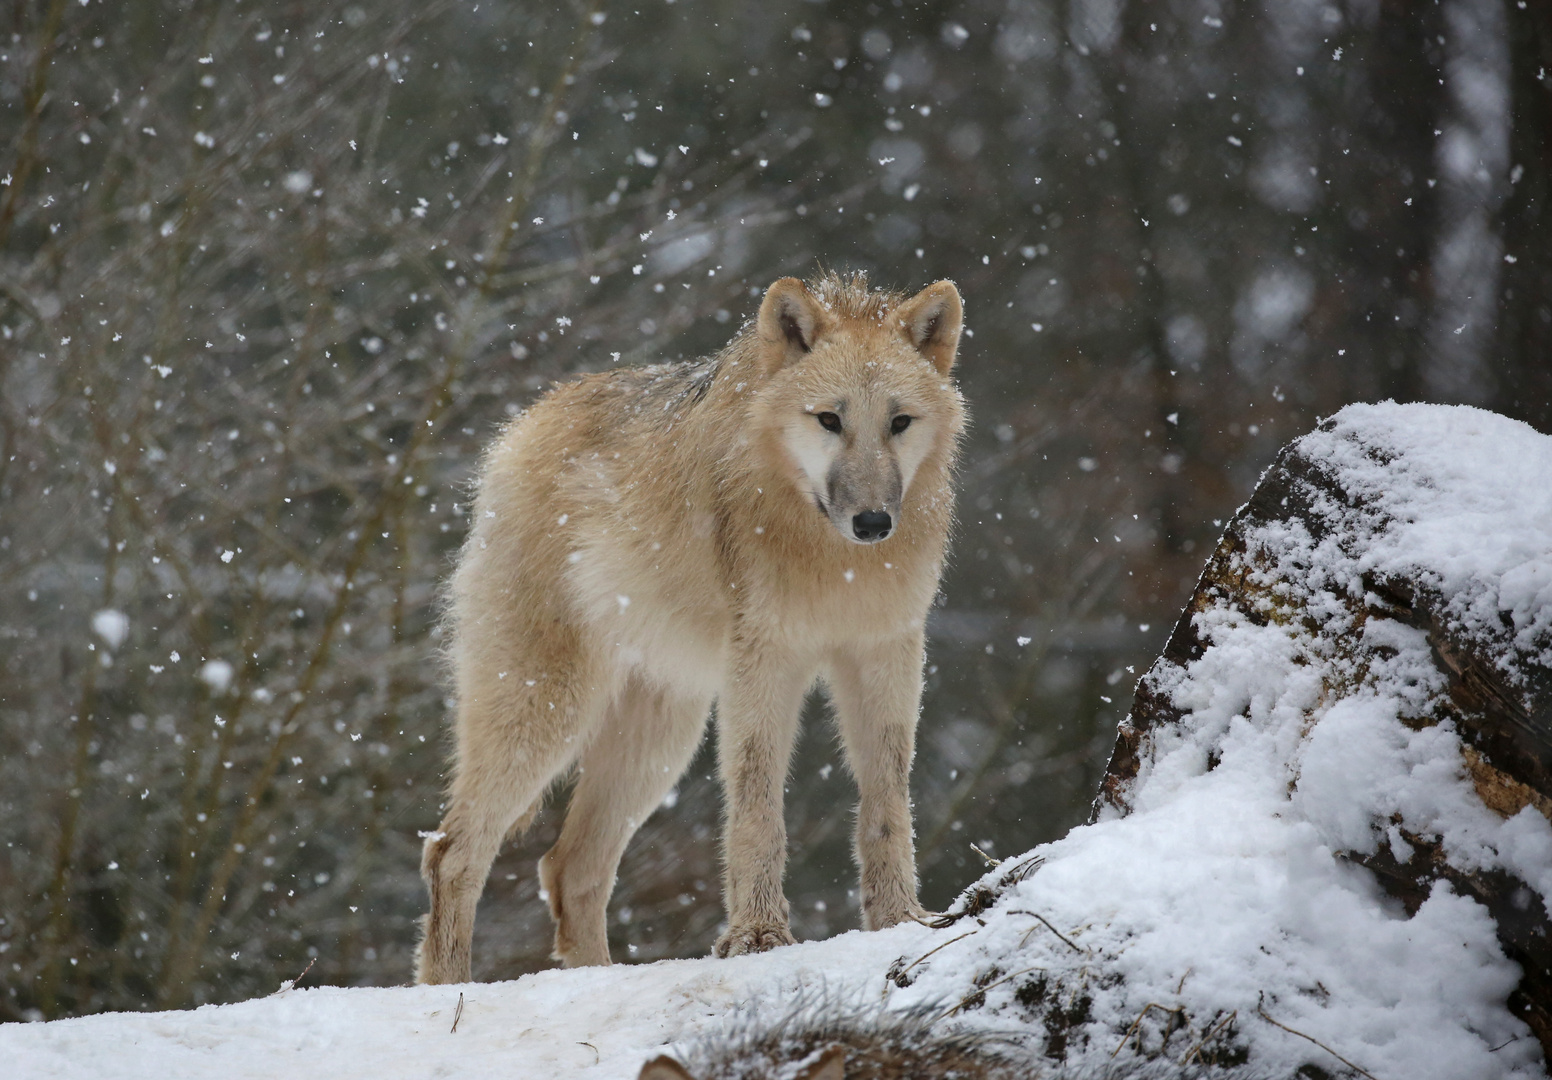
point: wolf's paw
(881, 918)
(738, 940)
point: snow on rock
(1322, 837)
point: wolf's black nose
(871, 525)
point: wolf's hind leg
(635, 756)
(511, 744)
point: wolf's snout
(871, 525)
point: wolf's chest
(650, 615)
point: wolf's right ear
(791, 322)
(663, 1067)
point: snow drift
(1322, 848)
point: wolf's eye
(829, 421)
(899, 424)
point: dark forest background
(271, 274)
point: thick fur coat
(648, 541)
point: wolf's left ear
(931, 321)
(791, 321)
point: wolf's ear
(830, 1066)
(663, 1067)
(791, 322)
(931, 321)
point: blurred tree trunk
(1525, 304)
(1394, 102)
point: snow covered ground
(601, 1022)
(1214, 921)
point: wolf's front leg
(877, 694)
(757, 719)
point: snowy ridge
(1212, 917)
(589, 1023)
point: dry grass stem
(1261, 1012)
(980, 991)
(292, 984)
(1212, 1030)
(1178, 1012)
(1064, 938)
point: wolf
(646, 542)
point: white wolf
(647, 541)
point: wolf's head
(859, 393)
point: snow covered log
(1402, 554)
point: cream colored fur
(645, 542)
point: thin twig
(989, 860)
(597, 1057)
(1067, 941)
(1025, 868)
(1262, 1014)
(457, 1014)
(1211, 1031)
(32, 102)
(926, 954)
(1137, 1023)
(292, 984)
(980, 991)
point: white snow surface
(590, 1023)
(1468, 495)
(1220, 894)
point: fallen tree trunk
(1494, 685)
